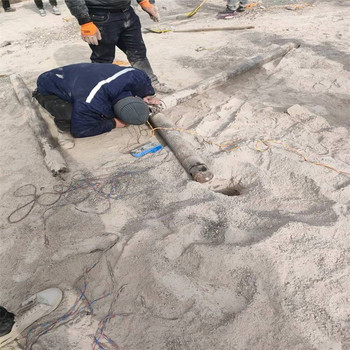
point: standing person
(106, 24)
(39, 4)
(232, 7)
(7, 7)
(88, 99)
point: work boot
(240, 8)
(162, 88)
(65, 139)
(31, 310)
(56, 11)
(10, 9)
(42, 12)
(227, 14)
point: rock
(297, 110)
(339, 307)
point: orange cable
(265, 142)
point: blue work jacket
(93, 89)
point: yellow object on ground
(192, 13)
(122, 63)
(158, 31)
(296, 6)
(251, 5)
(196, 30)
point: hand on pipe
(150, 9)
(152, 100)
(90, 33)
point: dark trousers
(121, 29)
(5, 4)
(60, 110)
(39, 3)
(7, 319)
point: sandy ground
(177, 264)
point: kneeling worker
(88, 99)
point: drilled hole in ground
(226, 187)
(229, 191)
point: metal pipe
(220, 78)
(182, 149)
(52, 156)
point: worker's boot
(227, 14)
(240, 8)
(65, 139)
(56, 11)
(31, 310)
(162, 88)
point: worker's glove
(90, 33)
(150, 9)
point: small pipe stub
(201, 173)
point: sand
(256, 259)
